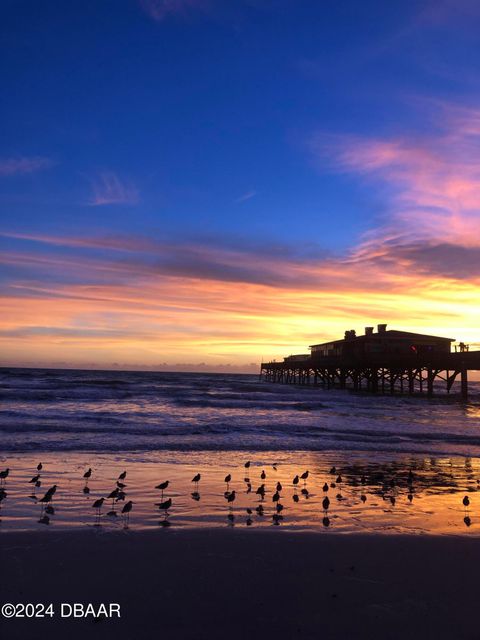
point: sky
(203, 185)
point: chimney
(353, 333)
(382, 328)
(347, 335)
(368, 331)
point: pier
(380, 362)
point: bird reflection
(195, 496)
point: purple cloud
(109, 189)
(23, 164)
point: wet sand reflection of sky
(403, 494)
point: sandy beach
(244, 584)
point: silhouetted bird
(304, 476)
(39, 466)
(279, 507)
(196, 479)
(248, 522)
(274, 466)
(339, 497)
(259, 510)
(296, 480)
(325, 487)
(123, 475)
(121, 485)
(98, 504)
(86, 489)
(121, 496)
(46, 498)
(87, 474)
(466, 501)
(247, 480)
(127, 507)
(295, 497)
(261, 491)
(249, 488)
(162, 486)
(279, 487)
(276, 497)
(231, 497)
(113, 495)
(339, 479)
(263, 475)
(333, 471)
(35, 479)
(410, 497)
(249, 511)
(4, 475)
(247, 464)
(227, 480)
(164, 505)
(363, 498)
(326, 503)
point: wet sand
(234, 583)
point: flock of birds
(118, 494)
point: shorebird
(98, 505)
(86, 489)
(247, 464)
(121, 485)
(162, 486)
(231, 497)
(279, 487)
(249, 488)
(127, 507)
(113, 496)
(39, 466)
(295, 497)
(296, 480)
(261, 491)
(363, 498)
(123, 475)
(410, 497)
(121, 496)
(249, 511)
(333, 471)
(35, 479)
(4, 475)
(87, 474)
(325, 503)
(466, 501)
(304, 477)
(196, 479)
(259, 510)
(279, 507)
(165, 506)
(339, 479)
(227, 480)
(263, 475)
(276, 497)
(325, 487)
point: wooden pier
(413, 365)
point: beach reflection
(323, 491)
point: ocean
(72, 410)
(146, 428)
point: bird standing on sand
(39, 466)
(98, 504)
(325, 487)
(113, 496)
(35, 479)
(227, 480)
(123, 475)
(196, 480)
(4, 475)
(263, 475)
(304, 477)
(231, 497)
(247, 464)
(162, 486)
(363, 498)
(326, 503)
(127, 507)
(164, 506)
(261, 491)
(296, 480)
(276, 497)
(279, 487)
(466, 502)
(87, 474)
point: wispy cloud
(246, 196)
(161, 9)
(23, 164)
(109, 189)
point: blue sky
(232, 126)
